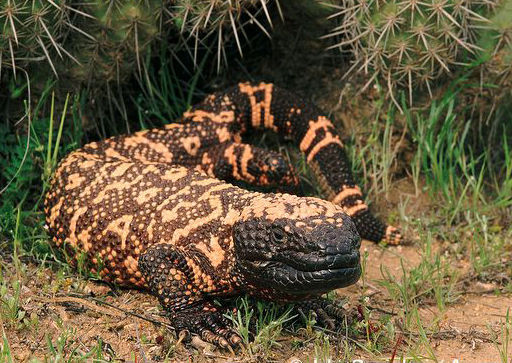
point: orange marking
(175, 174)
(230, 219)
(328, 139)
(191, 144)
(390, 231)
(85, 237)
(176, 196)
(229, 154)
(245, 158)
(77, 156)
(150, 228)
(149, 169)
(161, 149)
(55, 211)
(237, 138)
(148, 194)
(321, 123)
(278, 206)
(102, 173)
(139, 139)
(352, 211)
(170, 215)
(209, 182)
(200, 115)
(117, 187)
(214, 202)
(210, 98)
(121, 169)
(206, 160)
(213, 251)
(131, 264)
(121, 231)
(206, 165)
(87, 164)
(173, 126)
(223, 134)
(72, 238)
(346, 192)
(111, 153)
(258, 107)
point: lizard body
(150, 209)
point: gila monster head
(296, 247)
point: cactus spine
(106, 40)
(410, 44)
(33, 32)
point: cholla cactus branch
(97, 41)
(219, 20)
(409, 44)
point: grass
(260, 325)
(502, 343)
(464, 221)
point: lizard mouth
(300, 274)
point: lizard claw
(211, 326)
(327, 314)
(219, 331)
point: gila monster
(154, 210)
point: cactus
(118, 35)
(105, 40)
(409, 44)
(496, 45)
(33, 31)
(491, 82)
(210, 23)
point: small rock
(25, 290)
(482, 287)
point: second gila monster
(153, 210)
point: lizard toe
(327, 314)
(216, 339)
(221, 327)
(211, 326)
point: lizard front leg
(173, 276)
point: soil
(131, 327)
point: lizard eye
(278, 235)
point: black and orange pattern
(149, 209)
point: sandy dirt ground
(131, 326)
